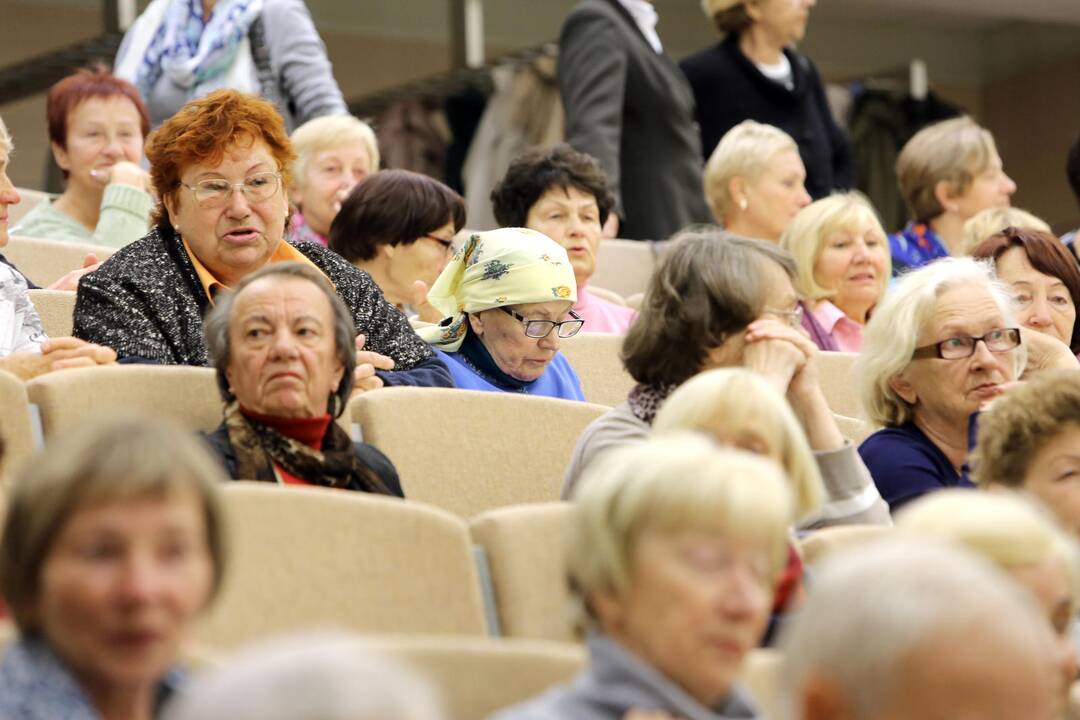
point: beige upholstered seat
(477, 676)
(623, 266)
(186, 394)
(825, 542)
(761, 676)
(46, 261)
(839, 384)
(57, 310)
(304, 558)
(595, 359)
(526, 553)
(468, 451)
(15, 424)
(853, 429)
(28, 200)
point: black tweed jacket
(146, 302)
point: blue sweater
(558, 381)
(905, 465)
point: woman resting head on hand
(112, 546)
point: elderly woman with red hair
(97, 123)
(221, 168)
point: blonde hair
(743, 152)
(669, 483)
(5, 137)
(890, 336)
(105, 461)
(1002, 527)
(985, 223)
(737, 401)
(952, 151)
(329, 132)
(805, 236)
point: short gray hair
(894, 328)
(872, 607)
(319, 676)
(217, 322)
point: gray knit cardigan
(146, 302)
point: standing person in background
(1072, 171)
(97, 123)
(754, 73)
(948, 172)
(628, 106)
(179, 50)
(333, 155)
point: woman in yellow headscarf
(507, 298)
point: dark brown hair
(708, 284)
(393, 207)
(1046, 254)
(538, 170)
(733, 20)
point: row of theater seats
(439, 439)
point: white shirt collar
(645, 16)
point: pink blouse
(847, 333)
(601, 315)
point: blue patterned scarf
(193, 54)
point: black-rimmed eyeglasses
(957, 348)
(539, 329)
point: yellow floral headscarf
(510, 266)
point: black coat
(369, 455)
(632, 110)
(728, 88)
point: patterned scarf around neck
(645, 400)
(258, 447)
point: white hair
(871, 608)
(309, 676)
(893, 331)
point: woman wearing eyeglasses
(507, 297)
(398, 226)
(943, 343)
(221, 168)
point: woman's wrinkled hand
(648, 715)
(123, 173)
(70, 281)
(367, 363)
(57, 354)
(1045, 352)
(779, 352)
(425, 311)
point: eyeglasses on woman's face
(217, 192)
(956, 348)
(540, 329)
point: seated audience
(674, 549)
(564, 194)
(282, 345)
(943, 342)
(714, 301)
(1025, 544)
(903, 630)
(986, 223)
(97, 123)
(754, 181)
(948, 172)
(842, 255)
(333, 154)
(221, 168)
(506, 299)
(1029, 440)
(1044, 278)
(113, 545)
(307, 677)
(25, 351)
(398, 227)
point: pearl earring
(743, 203)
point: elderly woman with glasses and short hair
(398, 227)
(506, 298)
(942, 344)
(221, 168)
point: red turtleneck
(310, 431)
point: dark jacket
(146, 302)
(369, 455)
(728, 88)
(632, 110)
